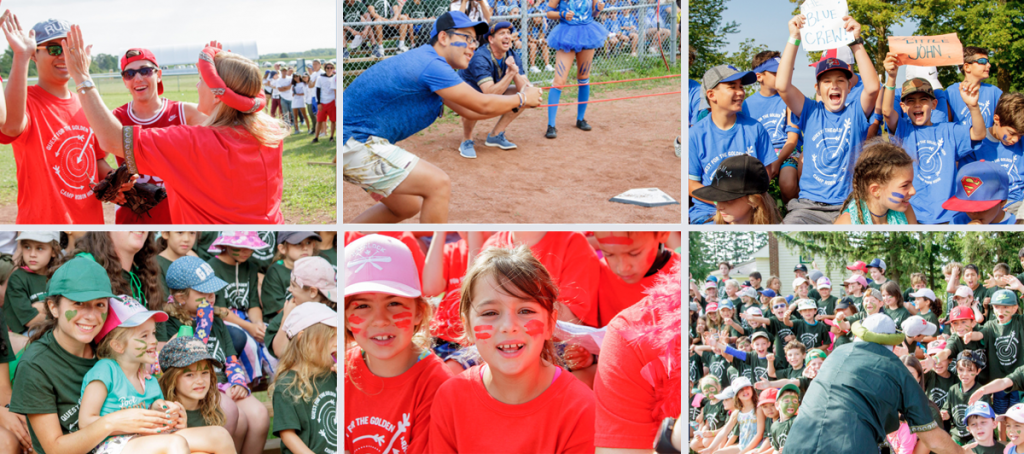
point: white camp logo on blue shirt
(1006, 349)
(809, 339)
(1010, 164)
(709, 169)
(774, 123)
(830, 166)
(929, 161)
(984, 107)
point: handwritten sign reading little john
(939, 50)
(823, 28)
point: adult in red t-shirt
(227, 171)
(569, 259)
(55, 150)
(639, 377)
(390, 412)
(631, 264)
(142, 77)
(560, 420)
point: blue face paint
(895, 200)
(459, 44)
(898, 195)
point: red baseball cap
(142, 54)
(961, 313)
(858, 266)
(767, 396)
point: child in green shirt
(981, 421)
(23, 302)
(241, 295)
(291, 246)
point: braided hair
(877, 164)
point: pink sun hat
(244, 240)
(377, 263)
(125, 312)
(316, 272)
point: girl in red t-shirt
(508, 309)
(391, 375)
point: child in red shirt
(390, 375)
(632, 263)
(509, 312)
(571, 262)
(639, 377)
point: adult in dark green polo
(48, 382)
(859, 395)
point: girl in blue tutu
(576, 37)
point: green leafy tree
(707, 35)
(741, 60)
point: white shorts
(113, 445)
(377, 166)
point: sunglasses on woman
(146, 71)
(53, 49)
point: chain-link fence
(374, 30)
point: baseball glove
(140, 198)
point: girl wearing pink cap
(121, 380)
(391, 375)
(509, 311)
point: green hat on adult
(80, 279)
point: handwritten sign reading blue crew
(823, 28)
(939, 50)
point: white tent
(189, 53)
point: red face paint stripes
(483, 331)
(402, 315)
(354, 319)
(534, 327)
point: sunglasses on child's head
(53, 49)
(146, 71)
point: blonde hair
(519, 274)
(243, 76)
(106, 348)
(177, 310)
(764, 210)
(420, 333)
(308, 355)
(209, 407)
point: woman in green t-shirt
(48, 384)
(130, 261)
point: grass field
(310, 192)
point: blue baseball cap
(980, 408)
(725, 305)
(979, 186)
(789, 299)
(500, 26)
(829, 64)
(50, 30)
(712, 279)
(772, 65)
(768, 292)
(457, 19)
(877, 263)
(193, 273)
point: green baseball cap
(80, 279)
(1004, 298)
(917, 85)
(789, 387)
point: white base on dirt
(645, 197)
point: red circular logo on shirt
(75, 160)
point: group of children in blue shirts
(817, 148)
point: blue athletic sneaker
(466, 150)
(499, 141)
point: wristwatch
(859, 40)
(664, 443)
(85, 85)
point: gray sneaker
(499, 141)
(466, 150)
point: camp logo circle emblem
(810, 340)
(73, 160)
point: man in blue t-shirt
(494, 70)
(1002, 145)
(833, 131)
(401, 96)
(976, 69)
(937, 149)
(725, 133)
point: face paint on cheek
(68, 315)
(483, 331)
(534, 327)
(403, 319)
(354, 320)
(459, 44)
(896, 197)
(103, 316)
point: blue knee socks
(584, 95)
(553, 96)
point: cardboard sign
(939, 50)
(823, 28)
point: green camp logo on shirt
(73, 160)
(326, 415)
(1006, 349)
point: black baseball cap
(735, 177)
(457, 19)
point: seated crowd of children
(123, 342)
(565, 341)
(858, 152)
(753, 352)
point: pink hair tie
(226, 95)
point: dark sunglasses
(981, 61)
(53, 49)
(146, 71)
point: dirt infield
(565, 180)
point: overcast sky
(113, 26)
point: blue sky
(765, 21)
